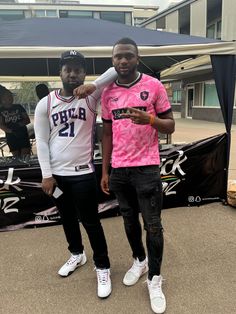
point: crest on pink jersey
(144, 95)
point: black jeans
(140, 189)
(79, 203)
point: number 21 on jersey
(68, 130)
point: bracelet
(151, 119)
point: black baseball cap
(72, 55)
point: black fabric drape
(224, 71)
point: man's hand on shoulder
(84, 90)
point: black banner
(192, 175)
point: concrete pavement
(199, 268)
(188, 130)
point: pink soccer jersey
(133, 144)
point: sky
(163, 4)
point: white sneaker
(104, 282)
(73, 262)
(157, 298)
(135, 272)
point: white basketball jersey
(64, 130)
(72, 124)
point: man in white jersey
(134, 108)
(64, 129)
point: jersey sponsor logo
(63, 116)
(117, 113)
(144, 95)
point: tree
(26, 96)
(26, 93)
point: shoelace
(102, 276)
(72, 259)
(136, 268)
(145, 281)
(156, 288)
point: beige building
(130, 14)
(205, 18)
(194, 91)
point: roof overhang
(218, 48)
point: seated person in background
(13, 120)
(41, 90)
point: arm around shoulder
(106, 78)
(95, 88)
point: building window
(210, 95)
(128, 18)
(218, 30)
(176, 98)
(211, 31)
(161, 23)
(184, 20)
(96, 15)
(214, 17)
(63, 14)
(39, 13)
(113, 16)
(45, 13)
(51, 13)
(28, 14)
(76, 13)
(80, 13)
(214, 30)
(9, 15)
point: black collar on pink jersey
(138, 78)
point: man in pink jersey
(134, 108)
(64, 128)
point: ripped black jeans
(140, 189)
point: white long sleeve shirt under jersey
(64, 130)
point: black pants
(140, 188)
(79, 203)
